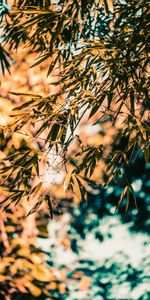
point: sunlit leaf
(35, 291)
(67, 180)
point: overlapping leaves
(103, 74)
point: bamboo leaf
(35, 207)
(67, 181)
(24, 105)
(52, 65)
(36, 189)
(127, 199)
(123, 195)
(49, 204)
(93, 110)
(25, 94)
(76, 187)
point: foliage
(92, 228)
(92, 231)
(99, 52)
(96, 53)
(24, 269)
(24, 273)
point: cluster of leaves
(115, 276)
(19, 172)
(139, 176)
(4, 59)
(101, 204)
(101, 53)
(4, 55)
(92, 223)
(47, 26)
(24, 271)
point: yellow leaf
(35, 258)
(123, 194)
(41, 273)
(37, 188)
(3, 278)
(23, 252)
(76, 188)
(100, 3)
(10, 228)
(127, 199)
(84, 283)
(20, 264)
(62, 289)
(8, 260)
(52, 286)
(2, 267)
(67, 181)
(35, 291)
(110, 5)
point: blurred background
(89, 250)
